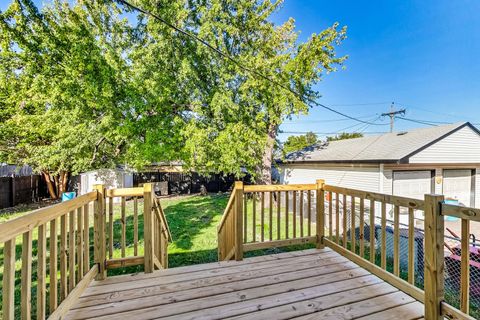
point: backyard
(192, 219)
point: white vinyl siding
(462, 146)
(361, 178)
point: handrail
(36, 218)
(161, 216)
(277, 187)
(381, 197)
(226, 212)
(461, 212)
(124, 192)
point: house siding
(461, 146)
(354, 177)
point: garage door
(457, 184)
(412, 184)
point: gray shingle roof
(390, 147)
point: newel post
(434, 257)
(238, 220)
(99, 249)
(320, 213)
(148, 227)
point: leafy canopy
(82, 86)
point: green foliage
(61, 85)
(82, 86)
(345, 135)
(295, 143)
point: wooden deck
(309, 284)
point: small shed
(111, 178)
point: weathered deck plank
(309, 284)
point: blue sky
(422, 55)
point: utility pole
(392, 114)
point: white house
(443, 160)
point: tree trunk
(63, 182)
(264, 171)
(50, 186)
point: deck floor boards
(309, 284)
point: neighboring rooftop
(390, 147)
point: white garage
(443, 160)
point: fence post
(434, 257)
(320, 214)
(238, 220)
(99, 232)
(148, 227)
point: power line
(326, 120)
(241, 66)
(326, 133)
(359, 104)
(418, 121)
(392, 115)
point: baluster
(245, 219)
(71, 252)
(262, 218)
(353, 233)
(361, 227)
(309, 205)
(110, 226)
(79, 243)
(372, 231)
(270, 215)
(330, 215)
(344, 227)
(53, 297)
(411, 252)
(301, 213)
(41, 272)
(286, 215)
(337, 217)
(383, 252)
(86, 239)
(294, 217)
(465, 267)
(63, 257)
(254, 217)
(135, 226)
(279, 204)
(26, 289)
(124, 227)
(8, 297)
(396, 241)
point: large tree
(90, 83)
(62, 87)
(227, 116)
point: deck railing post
(320, 213)
(99, 238)
(238, 220)
(434, 257)
(148, 227)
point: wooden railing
(265, 216)
(49, 251)
(358, 225)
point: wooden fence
(345, 220)
(73, 236)
(21, 189)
